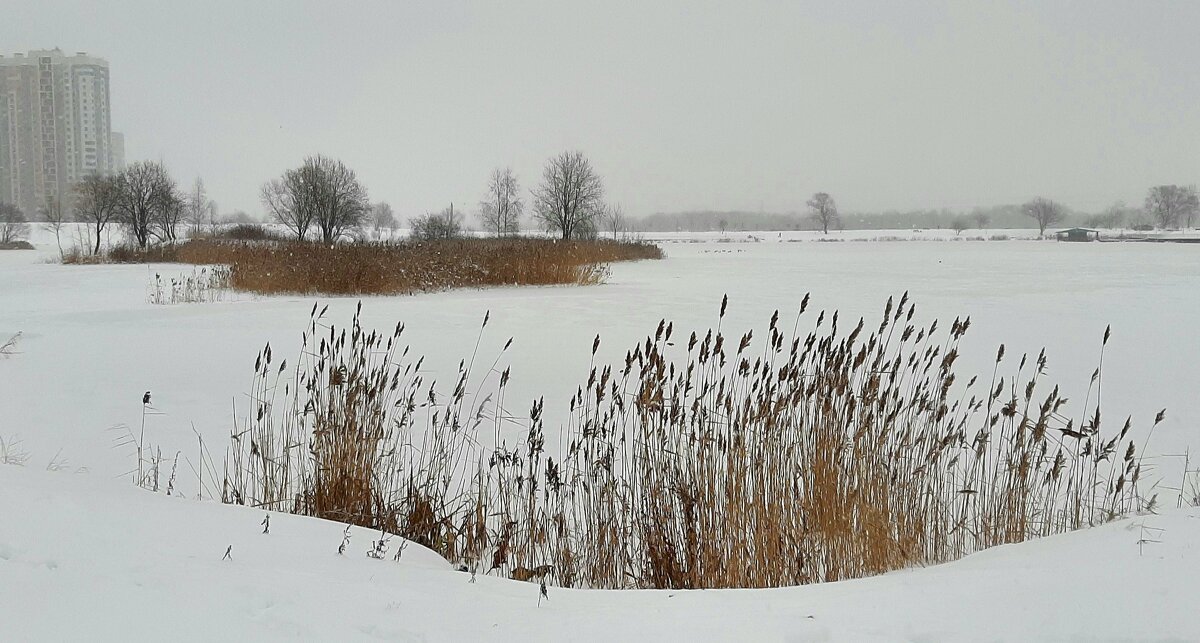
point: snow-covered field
(84, 555)
(87, 558)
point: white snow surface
(83, 558)
(86, 556)
(92, 344)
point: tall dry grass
(710, 461)
(337, 436)
(270, 267)
(205, 284)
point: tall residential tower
(55, 126)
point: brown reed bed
(711, 461)
(391, 268)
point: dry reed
(806, 457)
(204, 284)
(391, 268)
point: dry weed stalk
(11, 452)
(9, 347)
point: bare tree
(382, 218)
(1044, 211)
(322, 192)
(501, 210)
(570, 197)
(147, 202)
(286, 201)
(1114, 216)
(54, 216)
(959, 224)
(171, 211)
(13, 225)
(1192, 206)
(823, 210)
(982, 219)
(614, 220)
(446, 224)
(212, 215)
(342, 203)
(96, 204)
(197, 207)
(1171, 205)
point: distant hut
(1078, 234)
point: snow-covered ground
(914, 234)
(793, 236)
(87, 558)
(85, 555)
(92, 344)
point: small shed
(1078, 234)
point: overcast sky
(679, 105)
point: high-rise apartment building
(55, 125)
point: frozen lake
(92, 344)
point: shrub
(249, 232)
(445, 225)
(14, 227)
(239, 232)
(127, 253)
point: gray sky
(680, 105)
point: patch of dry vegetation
(708, 462)
(205, 284)
(124, 253)
(241, 232)
(9, 346)
(391, 268)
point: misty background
(681, 106)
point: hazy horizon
(680, 106)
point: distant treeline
(996, 217)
